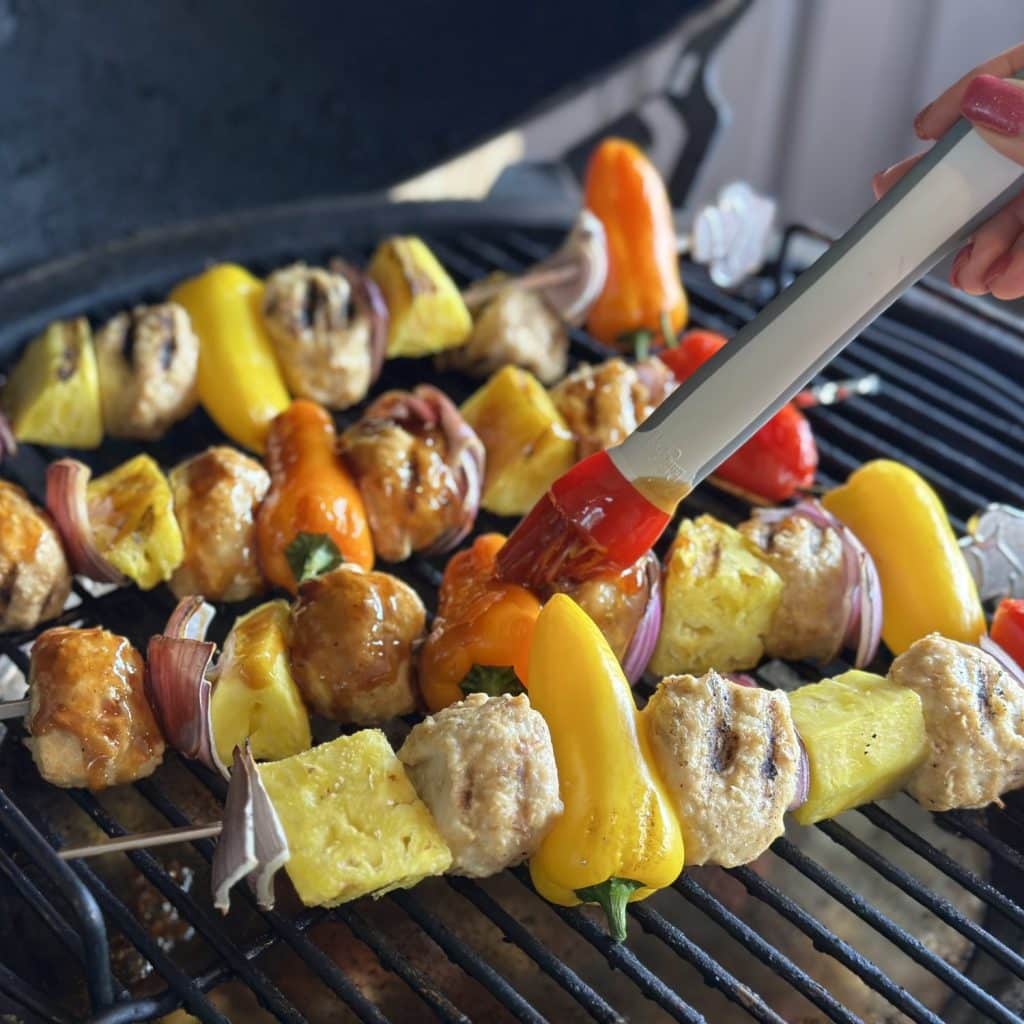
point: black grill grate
(457, 949)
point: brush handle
(934, 209)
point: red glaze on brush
(591, 519)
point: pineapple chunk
(864, 737)
(131, 513)
(720, 596)
(426, 311)
(53, 394)
(528, 443)
(255, 695)
(353, 820)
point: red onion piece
(179, 691)
(1005, 659)
(862, 602)
(235, 856)
(803, 779)
(66, 501)
(585, 249)
(190, 619)
(741, 679)
(369, 302)
(252, 843)
(645, 636)
(8, 443)
(425, 408)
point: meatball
(811, 618)
(974, 718)
(730, 757)
(216, 495)
(354, 635)
(147, 362)
(324, 344)
(516, 328)
(34, 575)
(603, 404)
(90, 723)
(486, 769)
(616, 601)
(419, 467)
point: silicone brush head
(592, 519)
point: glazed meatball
(516, 328)
(216, 495)
(810, 620)
(147, 362)
(419, 467)
(730, 757)
(603, 404)
(486, 769)
(354, 635)
(974, 719)
(34, 575)
(90, 723)
(324, 344)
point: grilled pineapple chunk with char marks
(353, 821)
(720, 597)
(528, 443)
(864, 737)
(53, 394)
(255, 695)
(426, 311)
(131, 513)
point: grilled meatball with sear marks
(516, 328)
(353, 637)
(216, 495)
(730, 757)
(147, 362)
(974, 719)
(603, 404)
(34, 575)
(323, 344)
(486, 769)
(90, 723)
(810, 619)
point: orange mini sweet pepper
(643, 291)
(313, 502)
(481, 624)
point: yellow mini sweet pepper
(239, 382)
(618, 839)
(926, 584)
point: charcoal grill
(765, 942)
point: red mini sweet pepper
(1008, 628)
(780, 459)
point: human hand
(993, 259)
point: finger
(1006, 276)
(884, 180)
(995, 238)
(939, 116)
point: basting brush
(611, 507)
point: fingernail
(919, 123)
(994, 103)
(958, 264)
(997, 269)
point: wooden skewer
(14, 709)
(142, 840)
(544, 277)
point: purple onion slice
(369, 302)
(67, 503)
(645, 636)
(1005, 659)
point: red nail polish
(958, 264)
(997, 269)
(994, 103)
